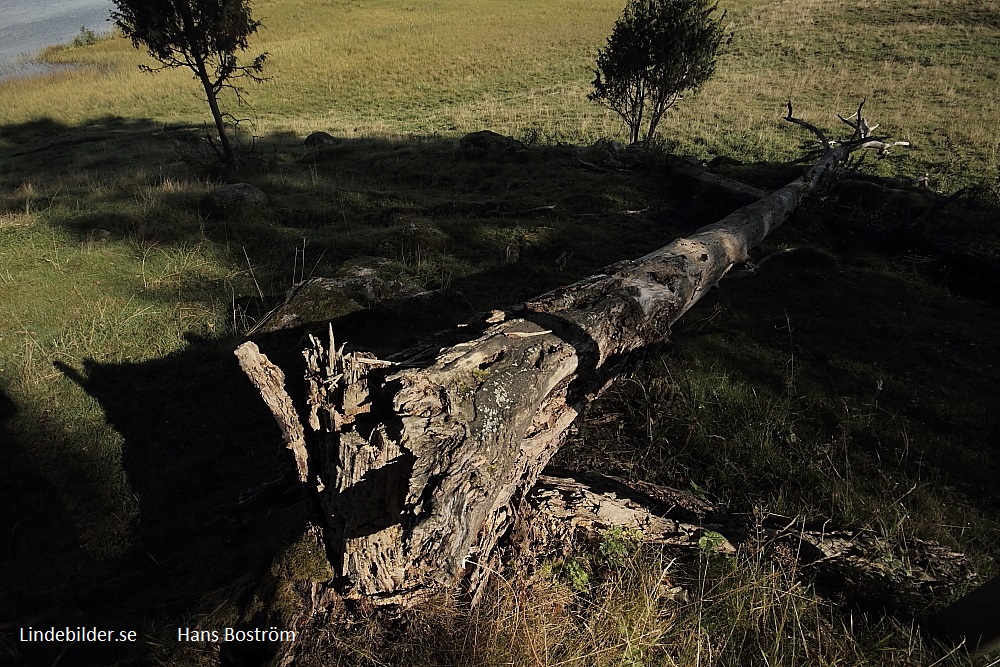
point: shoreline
(29, 28)
(27, 67)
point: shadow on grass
(140, 181)
(40, 551)
(197, 436)
(840, 381)
(197, 439)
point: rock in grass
(360, 282)
(604, 153)
(370, 280)
(321, 139)
(233, 199)
(309, 302)
(489, 142)
(416, 237)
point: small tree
(202, 35)
(657, 50)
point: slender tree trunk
(191, 30)
(228, 155)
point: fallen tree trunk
(691, 170)
(418, 463)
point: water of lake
(28, 26)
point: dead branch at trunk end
(420, 466)
(809, 126)
(861, 138)
(860, 126)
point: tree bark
(419, 463)
(565, 508)
(228, 155)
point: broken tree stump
(418, 463)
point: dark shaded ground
(907, 318)
(875, 298)
(872, 354)
(197, 438)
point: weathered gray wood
(270, 382)
(564, 508)
(566, 511)
(420, 462)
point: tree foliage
(205, 36)
(657, 50)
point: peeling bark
(566, 513)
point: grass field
(854, 383)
